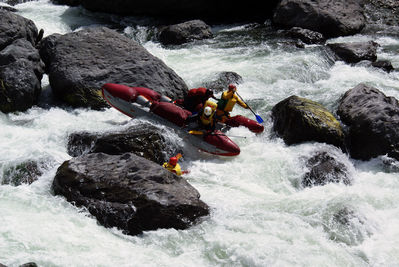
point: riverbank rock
(21, 71)
(356, 51)
(298, 120)
(79, 63)
(323, 169)
(185, 32)
(222, 81)
(129, 192)
(145, 141)
(21, 68)
(331, 18)
(373, 120)
(13, 27)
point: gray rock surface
(129, 192)
(79, 63)
(373, 120)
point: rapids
(260, 215)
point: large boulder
(13, 27)
(373, 120)
(299, 120)
(79, 63)
(21, 68)
(331, 18)
(356, 51)
(180, 10)
(129, 192)
(21, 71)
(185, 32)
(145, 141)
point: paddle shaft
(246, 103)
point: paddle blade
(258, 119)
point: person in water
(195, 99)
(173, 166)
(227, 102)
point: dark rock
(355, 52)
(13, 27)
(145, 141)
(325, 169)
(305, 35)
(21, 71)
(373, 120)
(223, 80)
(67, 2)
(331, 18)
(23, 173)
(181, 10)
(129, 192)
(185, 32)
(386, 65)
(10, 9)
(16, 2)
(2, 265)
(299, 120)
(29, 264)
(79, 63)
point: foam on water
(260, 215)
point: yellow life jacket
(176, 169)
(232, 99)
(208, 120)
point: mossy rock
(298, 120)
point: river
(260, 215)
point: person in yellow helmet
(227, 103)
(173, 166)
(204, 121)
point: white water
(259, 216)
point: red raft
(141, 102)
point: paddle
(258, 118)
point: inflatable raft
(141, 102)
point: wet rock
(346, 226)
(145, 141)
(324, 169)
(373, 120)
(79, 63)
(356, 51)
(13, 27)
(331, 18)
(10, 9)
(385, 65)
(305, 35)
(129, 192)
(22, 173)
(223, 80)
(29, 264)
(298, 120)
(21, 71)
(185, 32)
(67, 2)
